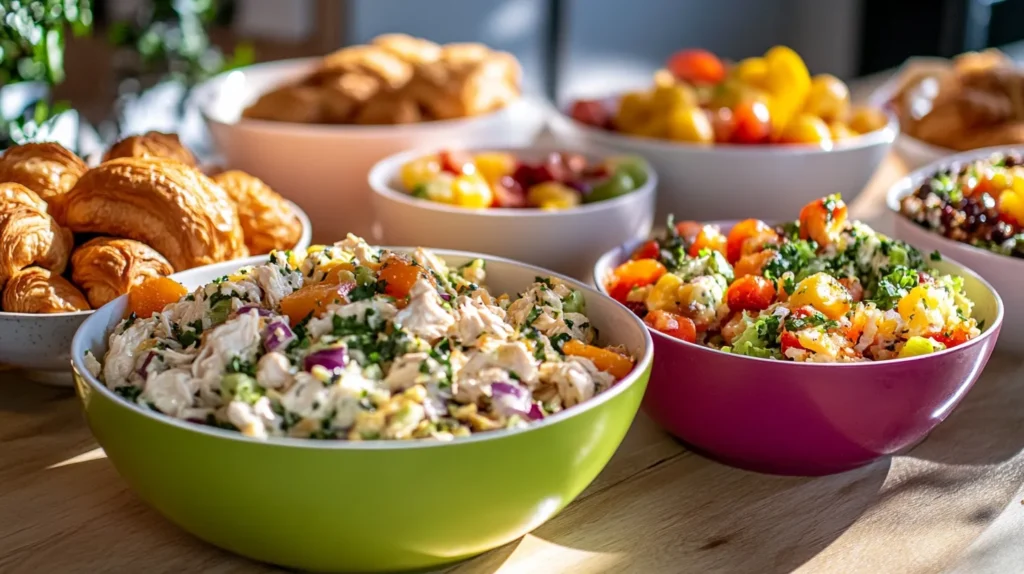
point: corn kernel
(824, 293)
(664, 296)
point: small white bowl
(734, 181)
(567, 241)
(915, 153)
(323, 167)
(1003, 272)
(40, 343)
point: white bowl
(1003, 272)
(915, 153)
(735, 181)
(323, 167)
(40, 343)
(567, 241)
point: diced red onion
(277, 335)
(259, 310)
(446, 296)
(330, 359)
(149, 359)
(535, 413)
(511, 399)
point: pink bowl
(809, 419)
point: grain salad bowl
(809, 419)
(373, 505)
(39, 344)
(1002, 271)
(567, 241)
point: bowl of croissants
(973, 101)
(73, 238)
(312, 128)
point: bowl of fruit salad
(551, 208)
(806, 348)
(385, 373)
(759, 136)
(970, 207)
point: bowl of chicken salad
(355, 408)
(807, 348)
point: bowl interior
(384, 180)
(617, 325)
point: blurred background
(127, 64)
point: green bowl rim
(643, 364)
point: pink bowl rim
(382, 175)
(616, 256)
(909, 183)
(880, 137)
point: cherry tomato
(672, 325)
(708, 238)
(748, 236)
(822, 220)
(591, 112)
(750, 293)
(696, 67)
(508, 193)
(635, 273)
(722, 123)
(753, 123)
(648, 250)
(457, 162)
(789, 341)
(689, 230)
(957, 336)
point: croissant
(14, 193)
(296, 104)
(151, 144)
(29, 236)
(36, 290)
(48, 169)
(268, 221)
(106, 267)
(165, 204)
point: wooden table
(952, 504)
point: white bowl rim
(907, 184)
(883, 136)
(607, 262)
(384, 171)
(204, 94)
(305, 237)
(641, 366)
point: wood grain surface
(951, 504)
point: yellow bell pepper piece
(824, 293)
(916, 346)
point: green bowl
(364, 506)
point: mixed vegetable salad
(358, 343)
(771, 99)
(980, 203)
(821, 289)
(500, 179)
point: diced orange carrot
(314, 299)
(152, 295)
(613, 363)
(399, 275)
(634, 273)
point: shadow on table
(722, 520)
(987, 427)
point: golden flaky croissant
(165, 204)
(268, 220)
(150, 145)
(31, 237)
(106, 267)
(36, 290)
(48, 169)
(14, 193)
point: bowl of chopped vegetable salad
(806, 348)
(246, 402)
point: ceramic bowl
(364, 506)
(567, 241)
(40, 344)
(323, 167)
(733, 181)
(1003, 272)
(809, 419)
